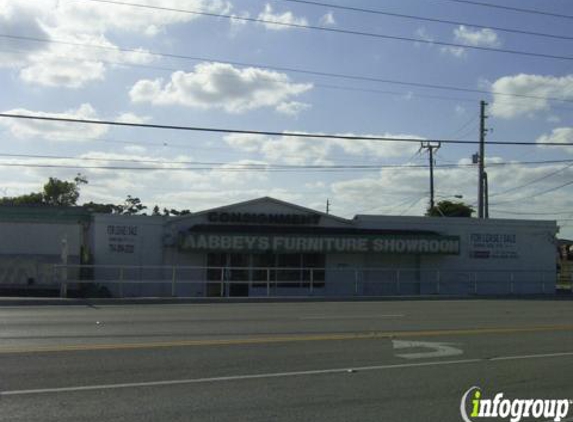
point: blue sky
(53, 78)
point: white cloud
(553, 119)
(319, 151)
(288, 150)
(48, 70)
(132, 118)
(19, 19)
(219, 86)
(560, 135)
(292, 108)
(226, 174)
(406, 190)
(55, 131)
(328, 19)
(135, 149)
(423, 33)
(282, 19)
(484, 37)
(458, 52)
(463, 35)
(99, 18)
(71, 66)
(508, 107)
(238, 22)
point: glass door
(239, 268)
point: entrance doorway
(227, 271)
(234, 274)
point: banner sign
(446, 245)
(262, 218)
(493, 246)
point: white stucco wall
(131, 242)
(29, 250)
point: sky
(229, 66)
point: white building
(34, 239)
(270, 247)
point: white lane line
(539, 356)
(273, 375)
(351, 316)
(229, 378)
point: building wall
(29, 250)
(496, 256)
(190, 274)
(130, 242)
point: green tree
(450, 209)
(56, 192)
(35, 198)
(63, 193)
(101, 208)
(131, 206)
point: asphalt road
(346, 361)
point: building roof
(43, 213)
(265, 200)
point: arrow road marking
(438, 350)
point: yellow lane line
(284, 339)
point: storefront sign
(262, 218)
(493, 246)
(121, 239)
(322, 244)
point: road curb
(35, 301)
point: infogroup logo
(512, 409)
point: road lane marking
(537, 356)
(437, 349)
(335, 317)
(282, 339)
(228, 378)
(247, 377)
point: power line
(532, 213)
(412, 205)
(427, 19)
(276, 68)
(222, 169)
(270, 133)
(514, 9)
(262, 166)
(274, 81)
(376, 166)
(337, 30)
(464, 126)
(230, 166)
(532, 181)
(314, 84)
(535, 195)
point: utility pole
(481, 160)
(327, 206)
(486, 195)
(431, 147)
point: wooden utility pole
(431, 147)
(481, 161)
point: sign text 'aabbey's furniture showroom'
(449, 245)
